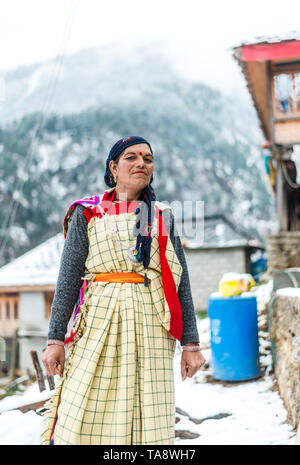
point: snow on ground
(17, 428)
(32, 394)
(289, 291)
(257, 414)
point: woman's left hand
(190, 363)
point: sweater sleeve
(190, 330)
(72, 267)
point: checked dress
(118, 385)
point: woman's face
(134, 167)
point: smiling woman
(117, 386)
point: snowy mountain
(110, 75)
(58, 126)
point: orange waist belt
(121, 277)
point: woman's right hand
(54, 359)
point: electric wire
(50, 90)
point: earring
(115, 179)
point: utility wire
(12, 208)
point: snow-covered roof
(284, 37)
(39, 266)
(216, 231)
(255, 80)
(222, 245)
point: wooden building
(271, 66)
(27, 286)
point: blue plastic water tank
(234, 337)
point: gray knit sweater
(72, 268)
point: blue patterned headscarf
(145, 214)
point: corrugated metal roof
(217, 233)
(39, 266)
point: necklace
(112, 231)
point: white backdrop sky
(198, 33)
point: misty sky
(198, 33)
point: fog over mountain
(206, 145)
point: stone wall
(283, 251)
(285, 336)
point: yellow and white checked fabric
(118, 386)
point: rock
(182, 412)
(185, 434)
(285, 333)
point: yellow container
(234, 284)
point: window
(9, 306)
(16, 310)
(7, 310)
(287, 94)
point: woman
(123, 258)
